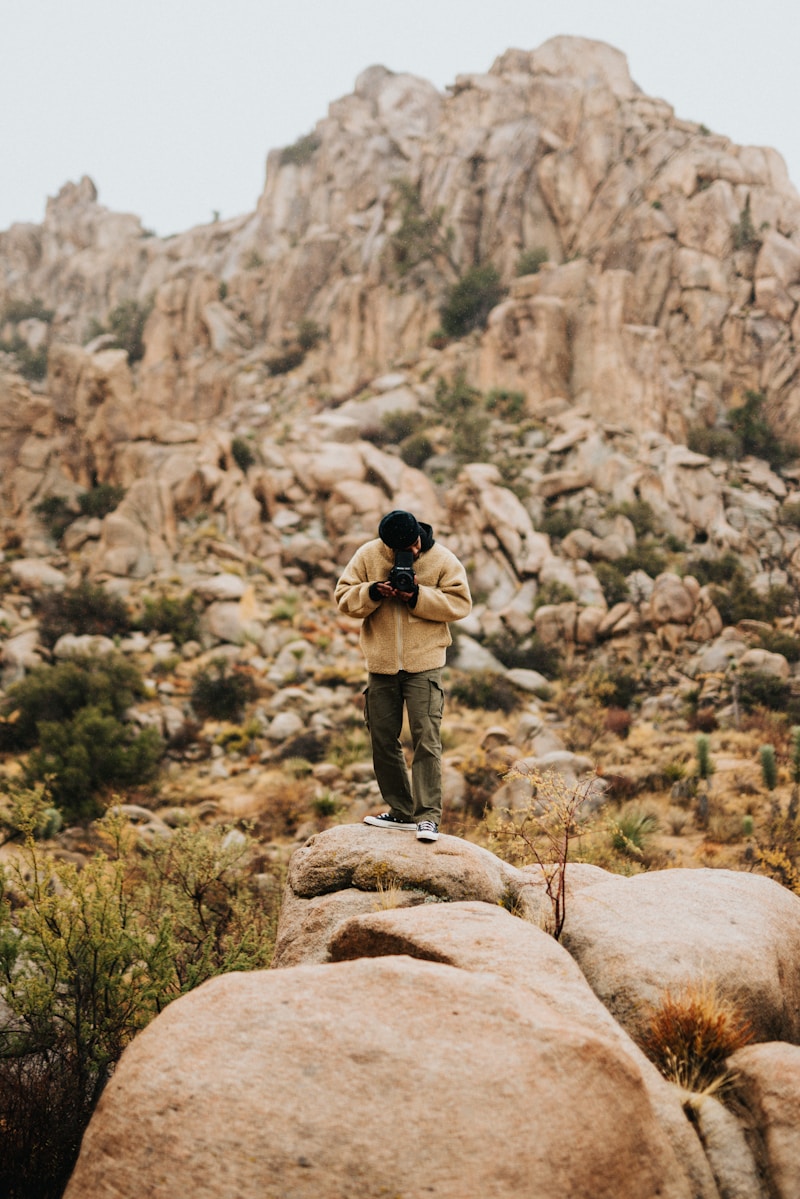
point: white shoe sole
(427, 836)
(393, 827)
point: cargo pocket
(435, 700)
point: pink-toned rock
(634, 938)
(767, 1083)
(278, 1082)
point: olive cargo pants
(423, 697)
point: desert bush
(89, 957)
(743, 231)
(632, 831)
(243, 453)
(510, 405)
(416, 450)
(469, 438)
(421, 236)
(790, 514)
(84, 608)
(469, 301)
(176, 616)
(220, 693)
(692, 1032)
(531, 261)
(758, 689)
(613, 582)
(285, 359)
(396, 426)
(559, 522)
(309, 334)
(529, 654)
(126, 323)
(646, 556)
(301, 151)
(543, 830)
(26, 310)
(776, 641)
(638, 512)
(715, 570)
(553, 592)
(486, 690)
(70, 717)
(100, 500)
(31, 364)
(56, 515)
(453, 400)
(714, 443)
(612, 686)
(755, 434)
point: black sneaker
(388, 820)
(427, 831)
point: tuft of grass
(692, 1032)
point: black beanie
(399, 529)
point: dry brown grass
(691, 1034)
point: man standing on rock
(404, 639)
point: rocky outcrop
(454, 1005)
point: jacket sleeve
(352, 590)
(450, 599)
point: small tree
(543, 830)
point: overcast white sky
(171, 105)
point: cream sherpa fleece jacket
(394, 636)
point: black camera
(401, 576)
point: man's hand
(389, 592)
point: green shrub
(222, 694)
(70, 718)
(396, 426)
(309, 334)
(778, 642)
(510, 405)
(743, 233)
(243, 453)
(613, 582)
(790, 514)
(530, 654)
(421, 236)
(301, 151)
(739, 600)
(553, 592)
(84, 608)
(455, 399)
(715, 570)
(56, 515)
(86, 758)
(714, 443)
(647, 557)
(613, 687)
(559, 522)
(531, 261)
(416, 450)
(26, 310)
(469, 438)
(755, 434)
(176, 616)
(31, 364)
(286, 360)
(126, 322)
(760, 690)
(632, 831)
(468, 302)
(638, 512)
(89, 957)
(101, 500)
(486, 690)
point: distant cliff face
(666, 265)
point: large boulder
(374, 1077)
(354, 860)
(634, 938)
(767, 1084)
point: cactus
(769, 767)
